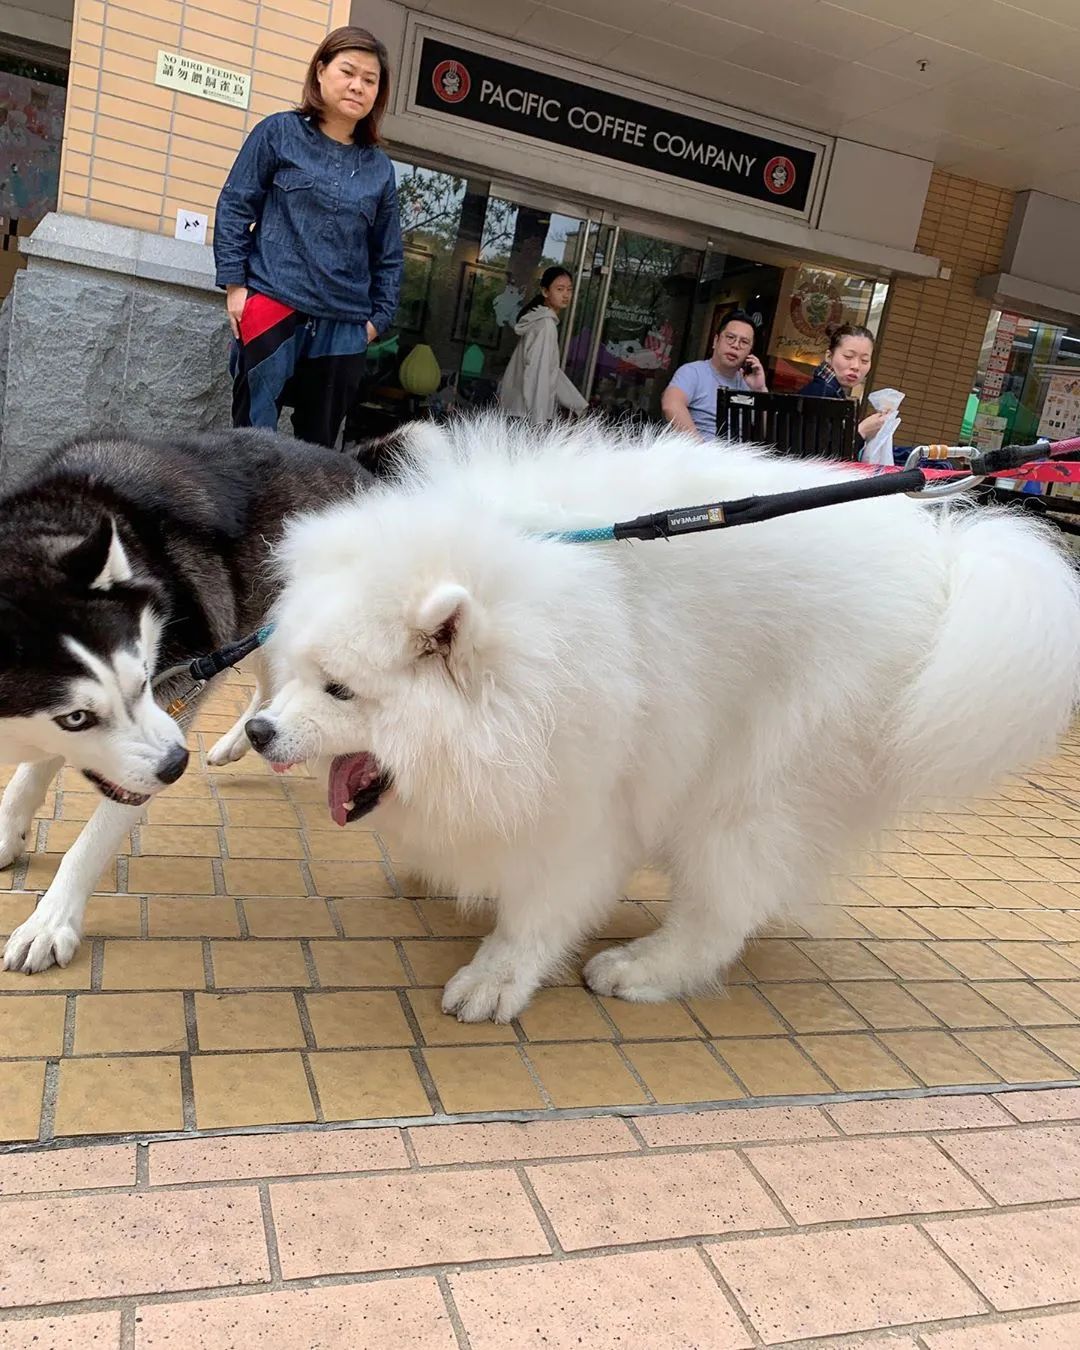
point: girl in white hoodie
(534, 382)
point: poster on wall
(989, 431)
(997, 365)
(813, 301)
(31, 129)
(1060, 419)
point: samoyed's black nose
(260, 732)
(173, 765)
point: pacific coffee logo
(451, 81)
(779, 175)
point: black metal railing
(795, 425)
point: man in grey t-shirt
(689, 401)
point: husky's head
(419, 646)
(79, 637)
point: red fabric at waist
(261, 313)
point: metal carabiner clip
(938, 491)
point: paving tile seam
(749, 1329)
(926, 1232)
(621, 1111)
(130, 1303)
(885, 1336)
(957, 1163)
(261, 1187)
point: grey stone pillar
(108, 330)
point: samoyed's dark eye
(338, 691)
(81, 720)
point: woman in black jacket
(851, 351)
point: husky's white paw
(233, 745)
(636, 975)
(40, 943)
(12, 844)
(483, 994)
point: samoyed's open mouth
(114, 792)
(356, 783)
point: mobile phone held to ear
(749, 366)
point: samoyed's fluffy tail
(1002, 679)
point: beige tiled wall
(134, 153)
(933, 329)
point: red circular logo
(779, 175)
(451, 81)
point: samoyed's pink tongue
(349, 774)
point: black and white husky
(120, 559)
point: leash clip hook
(937, 491)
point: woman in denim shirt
(307, 244)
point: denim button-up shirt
(327, 238)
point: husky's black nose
(260, 732)
(173, 765)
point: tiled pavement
(251, 966)
(945, 1223)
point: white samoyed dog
(534, 719)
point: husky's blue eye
(82, 720)
(338, 691)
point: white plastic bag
(879, 448)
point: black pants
(313, 366)
(320, 393)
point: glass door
(642, 320)
(474, 254)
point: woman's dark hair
(550, 277)
(848, 330)
(733, 316)
(347, 40)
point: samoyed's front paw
(39, 943)
(632, 973)
(479, 994)
(232, 746)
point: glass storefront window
(643, 304)
(1027, 385)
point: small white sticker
(191, 225)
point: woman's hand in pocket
(235, 300)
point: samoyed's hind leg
(726, 884)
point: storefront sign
(478, 88)
(203, 79)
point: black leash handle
(206, 667)
(750, 510)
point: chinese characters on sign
(203, 79)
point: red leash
(1038, 469)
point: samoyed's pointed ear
(443, 619)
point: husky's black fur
(196, 517)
